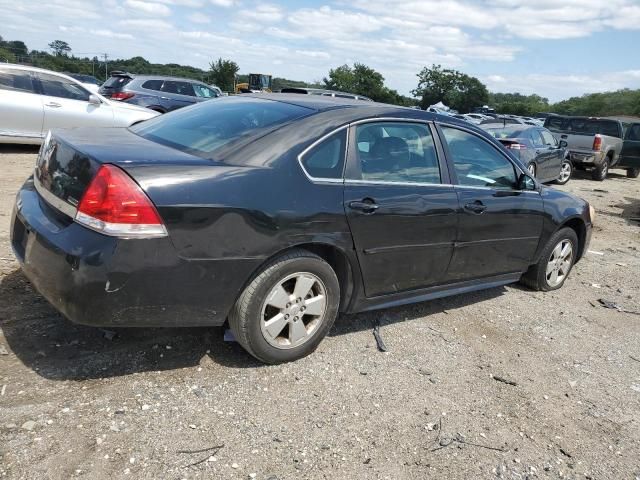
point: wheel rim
(605, 169)
(532, 169)
(293, 310)
(565, 171)
(559, 263)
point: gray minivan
(162, 94)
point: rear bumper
(586, 158)
(98, 280)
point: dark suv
(162, 94)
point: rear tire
(555, 262)
(600, 172)
(566, 172)
(633, 172)
(273, 318)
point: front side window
(15, 80)
(548, 139)
(477, 163)
(326, 159)
(634, 133)
(204, 91)
(60, 87)
(396, 152)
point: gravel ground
(79, 402)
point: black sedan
(537, 149)
(276, 212)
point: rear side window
(203, 130)
(477, 163)
(204, 91)
(554, 123)
(179, 88)
(396, 152)
(326, 159)
(60, 87)
(152, 84)
(15, 80)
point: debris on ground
(504, 380)
(3, 350)
(376, 333)
(614, 306)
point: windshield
(205, 128)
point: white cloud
(312, 54)
(223, 3)
(198, 17)
(111, 34)
(263, 13)
(149, 8)
(146, 24)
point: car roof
(134, 76)
(29, 68)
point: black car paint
(630, 154)
(227, 217)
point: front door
(630, 154)
(400, 206)
(499, 225)
(21, 110)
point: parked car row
(34, 101)
(599, 144)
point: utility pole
(106, 70)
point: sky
(555, 48)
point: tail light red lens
(121, 96)
(114, 204)
(517, 146)
(597, 142)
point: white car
(33, 101)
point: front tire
(286, 311)
(555, 264)
(566, 171)
(633, 172)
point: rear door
(630, 155)
(21, 110)
(177, 94)
(499, 225)
(400, 206)
(66, 105)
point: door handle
(364, 206)
(53, 105)
(475, 207)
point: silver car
(33, 101)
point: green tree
(455, 89)
(223, 73)
(363, 80)
(518, 104)
(60, 48)
(17, 47)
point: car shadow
(57, 349)
(630, 211)
(16, 148)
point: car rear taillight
(121, 96)
(597, 142)
(516, 146)
(115, 205)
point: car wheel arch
(577, 225)
(336, 257)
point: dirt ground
(76, 402)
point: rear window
(116, 82)
(16, 80)
(207, 127)
(591, 127)
(508, 132)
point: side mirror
(563, 144)
(95, 100)
(525, 182)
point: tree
(455, 89)
(17, 47)
(518, 104)
(60, 47)
(223, 74)
(363, 80)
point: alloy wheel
(293, 310)
(532, 169)
(559, 263)
(565, 172)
